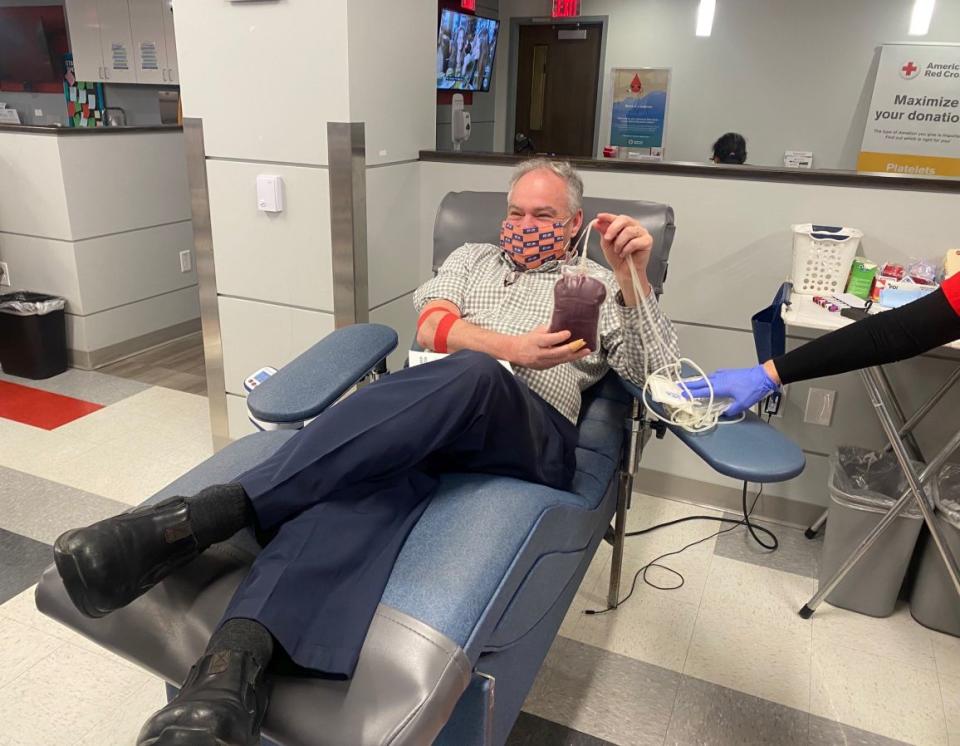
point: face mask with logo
(532, 247)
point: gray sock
(218, 512)
(246, 636)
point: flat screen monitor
(33, 41)
(465, 51)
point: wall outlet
(38, 113)
(819, 409)
(4, 274)
(186, 261)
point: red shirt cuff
(951, 288)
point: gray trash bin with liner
(934, 601)
(864, 485)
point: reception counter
(100, 217)
(745, 172)
(52, 129)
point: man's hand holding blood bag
(540, 349)
(578, 297)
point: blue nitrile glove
(746, 386)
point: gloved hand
(746, 386)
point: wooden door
(558, 70)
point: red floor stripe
(41, 408)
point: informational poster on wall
(639, 116)
(913, 126)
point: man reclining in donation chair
(334, 505)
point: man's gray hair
(563, 169)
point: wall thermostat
(270, 193)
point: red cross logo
(909, 71)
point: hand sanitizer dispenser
(269, 193)
(459, 122)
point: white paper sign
(798, 159)
(913, 125)
(419, 357)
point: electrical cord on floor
(655, 562)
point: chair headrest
(475, 217)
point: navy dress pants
(340, 497)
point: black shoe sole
(177, 736)
(72, 578)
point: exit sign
(468, 4)
(566, 8)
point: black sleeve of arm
(884, 338)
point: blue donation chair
(484, 579)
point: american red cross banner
(913, 125)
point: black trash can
(33, 335)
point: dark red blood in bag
(577, 299)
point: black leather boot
(222, 703)
(107, 565)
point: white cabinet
(84, 23)
(146, 22)
(116, 40)
(173, 72)
(123, 41)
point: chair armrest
(749, 451)
(310, 383)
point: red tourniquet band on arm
(443, 331)
(429, 312)
(951, 289)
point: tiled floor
(724, 659)
(56, 688)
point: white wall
(483, 108)
(278, 258)
(391, 58)
(100, 218)
(32, 198)
(732, 250)
(266, 78)
(138, 180)
(52, 105)
(785, 74)
(400, 121)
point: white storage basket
(822, 256)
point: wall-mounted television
(465, 50)
(33, 42)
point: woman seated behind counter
(730, 148)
